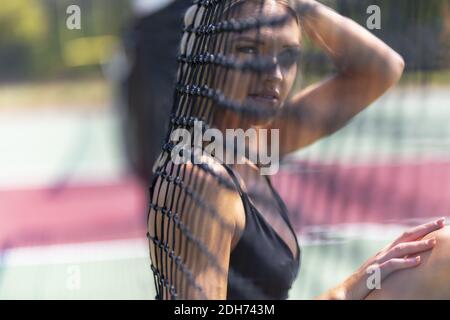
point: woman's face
(281, 45)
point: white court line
(76, 253)
(345, 232)
(43, 147)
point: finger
(408, 248)
(420, 231)
(393, 265)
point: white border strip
(76, 253)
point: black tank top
(262, 265)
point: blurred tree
(33, 34)
(23, 28)
(22, 20)
(415, 28)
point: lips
(264, 96)
(269, 98)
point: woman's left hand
(398, 255)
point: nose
(274, 73)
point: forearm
(353, 49)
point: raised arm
(366, 69)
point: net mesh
(180, 204)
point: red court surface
(80, 213)
(334, 194)
(315, 194)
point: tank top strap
(283, 208)
(245, 196)
(236, 181)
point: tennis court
(74, 216)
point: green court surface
(120, 270)
(409, 123)
(131, 278)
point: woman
(214, 233)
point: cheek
(237, 85)
(289, 79)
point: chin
(263, 123)
(266, 121)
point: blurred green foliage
(34, 40)
(34, 36)
(419, 30)
(23, 29)
(22, 21)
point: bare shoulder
(429, 280)
(223, 194)
(210, 186)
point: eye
(247, 49)
(289, 57)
